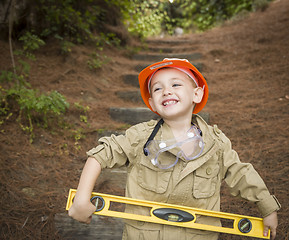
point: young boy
(177, 160)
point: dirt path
(246, 64)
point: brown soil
(246, 64)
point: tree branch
(11, 19)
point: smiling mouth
(169, 102)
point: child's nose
(167, 91)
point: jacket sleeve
(244, 181)
(115, 151)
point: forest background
(29, 25)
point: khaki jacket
(195, 183)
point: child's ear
(198, 94)
(151, 102)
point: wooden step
(130, 96)
(170, 42)
(110, 181)
(131, 79)
(132, 115)
(174, 49)
(160, 56)
(100, 228)
(140, 67)
(141, 114)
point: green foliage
(170, 24)
(96, 61)
(6, 76)
(24, 68)
(204, 14)
(149, 17)
(4, 108)
(31, 42)
(142, 18)
(33, 106)
(12, 78)
(74, 22)
(77, 134)
(84, 110)
(68, 19)
(66, 46)
(30, 101)
(107, 39)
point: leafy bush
(96, 61)
(142, 18)
(204, 14)
(74, 22)
(69, 19)
(30, 43)
(84, 110)
(33, 106)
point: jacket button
(151, 123)
(209, 171)
(217, 130)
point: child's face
(173, 93)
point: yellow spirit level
(175, 215)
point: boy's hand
(270, 222)
(82, 211)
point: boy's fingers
(93, 209)
(265, 232)
(273, 233)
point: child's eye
(157, 89)
(176, 84)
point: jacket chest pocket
(206, 179)
(152, 178)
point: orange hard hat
(146, 74)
